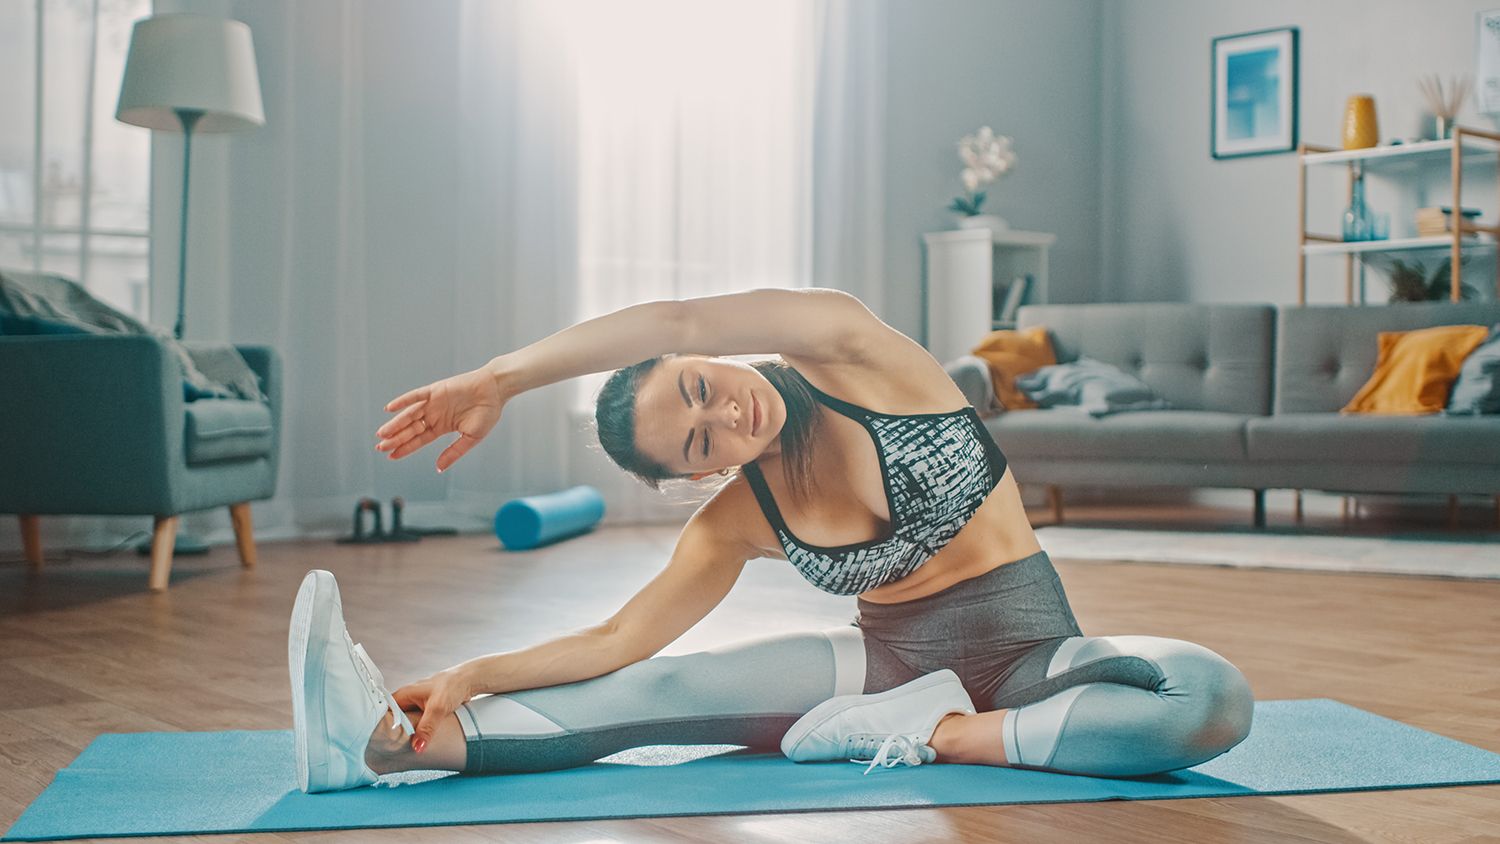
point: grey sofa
(1256, 391)
(97, 425)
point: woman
(855, 458)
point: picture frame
(1253, 108)
(1487, 61)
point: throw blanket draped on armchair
(53, 304)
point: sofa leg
(1260, 508)
(1297, 505)
(31, 539)
(1054, 497)
(1452, 512)
(244, 533)
(163, 539)
(1497, 511)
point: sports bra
(937, 468)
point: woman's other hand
(468, 403)
(439, 696)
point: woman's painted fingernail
(420, 745)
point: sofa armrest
(92, 424)
(267, 364)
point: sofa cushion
(1477, 389)
(1011, 354)
(227, 429)
(1149, 434)
(1332, 437)
(1214, 357)
(1325, 353)
(1415, 370)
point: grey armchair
(97, 425)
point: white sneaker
(338, 695)
(886, 729)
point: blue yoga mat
(180, 783)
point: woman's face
(696, 414)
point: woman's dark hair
(615, 421)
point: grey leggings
(1096, 705)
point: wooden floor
(86, 649)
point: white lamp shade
(191, 62)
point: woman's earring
(724, 471)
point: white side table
(966, 274)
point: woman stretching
(855, 458)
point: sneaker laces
(375, 682)
(897, 749)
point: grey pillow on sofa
(1477, 389)
(972, 375)
(1089, 385)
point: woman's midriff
(997, 534)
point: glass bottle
(1357, 215)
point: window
(74, 182)
(694, 148)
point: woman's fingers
(414, 443)
(407, 398)
(413, 696)
(431, 717)
(458, 449)
(404, 436)
(402, 419)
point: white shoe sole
(820, 714)
(315, 601)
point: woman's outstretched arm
(708, 559)
(813, 323)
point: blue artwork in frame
(1254, 93)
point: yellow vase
(1360, 127)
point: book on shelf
(1015, 297)
(1438, 220)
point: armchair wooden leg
(163, 540)
(1452, 511)
(31, 539)
(1054, 497)
(1298, 507)
(244, 533)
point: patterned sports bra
(937, 469)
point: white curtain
(438, 183)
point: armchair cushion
(227, 429)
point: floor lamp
(190, 73)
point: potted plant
(986, 157)
(1410, 282)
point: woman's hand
(439, 696)
(468, 403)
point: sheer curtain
(438, 183)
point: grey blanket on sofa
(216, 370)
(1089, 385)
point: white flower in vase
(986, 157)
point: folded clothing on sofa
(1089, 385)
(32, 303)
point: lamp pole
(189, 118)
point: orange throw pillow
(1013, 353)
(1416, 369)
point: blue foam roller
(524, 523)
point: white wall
(1029, 70)
(1185, 227)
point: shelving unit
(966, 273)
(1468, 148)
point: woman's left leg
(1113, 706)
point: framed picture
(1254, 106)
(1488, 60)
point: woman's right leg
(748, 693)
